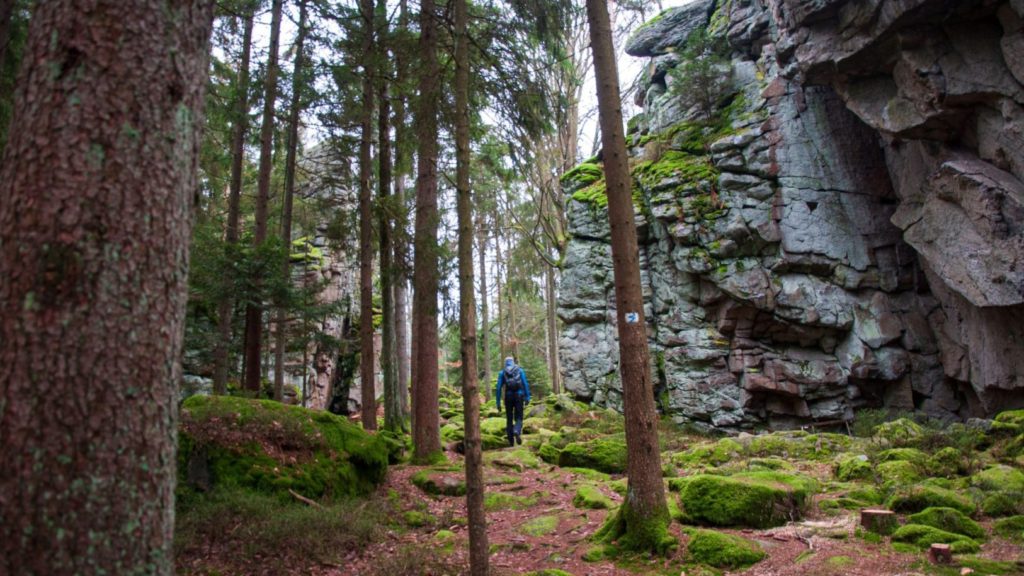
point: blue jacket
(501, 384)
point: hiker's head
(510, 362)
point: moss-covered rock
(519, 459)
(722, 550)
(950, 520)
(549, 453)
(1009, 423)
(924, 536)
(708, 455)
(998, 504)
(917, 498)
(947, 462)
(899, 432)
(602, 454)
(588, 496)
(539, 526)
(898, 473)
(912, 455)
(440, 482)
(1012, 527)
(849, 467)
(272, 447)
(999, 478)
(733, 501)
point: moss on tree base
(629, 531)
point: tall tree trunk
(478, 561)
(401, 244)
(484, 316)
(6, 18)
(393, 417)
(292, 146)
(498, 285)
(644, 515)
(240, 125)
(368, 398)
(95, 222)
(513, 340)
(426, 433)
(254, 310)
(552, 328)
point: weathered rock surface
(848, 232)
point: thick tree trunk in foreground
(292, 146)
(96, 191)
(478, 551)
(254, 312)
(485, 343)
(644, 516)
(368, 399)
(427, 432)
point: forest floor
(792, 499)
(819, 545)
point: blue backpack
(514, 381)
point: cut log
(940, 554)
(878, 521)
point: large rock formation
(846, 228)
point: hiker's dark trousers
(513, 417)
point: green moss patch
(539, 526)
(709, 455)
(898, 473)
(912, 455)
(736, 501)
(1000, 504)
(418, 518)
(503, 501)
(722, 550)
(271, 447)
(440, 483)
(588, 496)
(853, 467)
(1012, 527)
(917, 498)
(924, 536)
(518, 459)
(950, 520)
(899, 432)
(602, 454)
(999, 478)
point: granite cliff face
(845, 227)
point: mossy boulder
(440, 482)
(899, 432)
(799, 444)
(898, 473)
(912, 455)
(518, 459)
(918, 498)
(1012, 527)
(849, 467)
(738, 501)
(999, 478)
(503, 501)
(708, 455)
(1009, 423)
(924, 536)
(950, 520)
(722, 550)
(272, 447)
(998, 504)
(549, 453)
(589, 496)
(947, 462)
(602, 454)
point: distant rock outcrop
(846, 231)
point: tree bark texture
(485, 343)
(501, 308)
(478, 551)
(368, 399)
(645, 508)
(292, 146)
(225, 309)
(254, 311)
(401, 244)
(96, 191)
(393, 417)
(427, 432)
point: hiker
(517, 394)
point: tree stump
(940, 554)
(878, 521)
